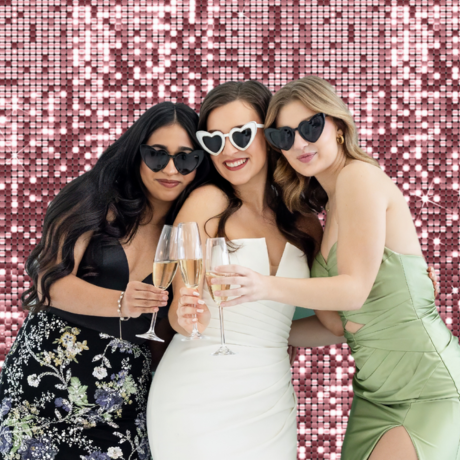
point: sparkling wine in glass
(216, 255)
(190, 262)
(164, 269)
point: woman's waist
(58, 329)
(107, 325)
(247, 336)
(269, 351)
(194, 361)
(396, 330)
(55, 345)
(252, 323)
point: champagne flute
(216, 255)
(164, 269)
(190, 262)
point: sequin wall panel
(75, 75)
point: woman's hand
(432, 274)
(142, 298)
(191, 309)
(252, 285)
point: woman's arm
(201, 207)
(362, 215)
(331, 321)
(75, 295)
(310, 332)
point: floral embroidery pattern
(51, 409)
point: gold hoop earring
(340, 140)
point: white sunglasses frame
(253, 125)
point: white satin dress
(241, 407)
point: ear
(339, 125)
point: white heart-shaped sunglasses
(241, 138)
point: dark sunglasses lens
(282, 138)
(311, 130)
(188, 162)
(213, 143)
(242, 138)
(156, 160)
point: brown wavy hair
(302, 193)
(258, 97)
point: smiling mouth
(168, 183)
(236, 164)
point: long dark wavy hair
(258, 97)
(114, 184)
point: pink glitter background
(74, 75)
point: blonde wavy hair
(301, 193)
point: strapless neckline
(258, 411)
(266, 250)
(385, 249)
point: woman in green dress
(407, 381)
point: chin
(241, 177)
(166, 195)
(308, 170)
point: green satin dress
(407, 362)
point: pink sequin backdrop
(74, 75)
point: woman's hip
(59, 379)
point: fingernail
(217, 293)
(199, 310)
(201, 302)
(194, 320)
(213, 281)
(164, 298)
(196, 293)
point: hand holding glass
(164, 269)
(191, 262)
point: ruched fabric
(407, 362)
(241, 407)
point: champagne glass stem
(152, 323)
(222, 333)
(195, 331)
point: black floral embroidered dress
(70, 390)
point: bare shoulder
(79, 249)
(361, 177)
(209, 198)
(82, 243)
(202, 204)
(359, 170)
(206, 192)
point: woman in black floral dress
(75, 382)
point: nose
(229, 148)
(170, 168)
(299, 142)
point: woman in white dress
(243, 406)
